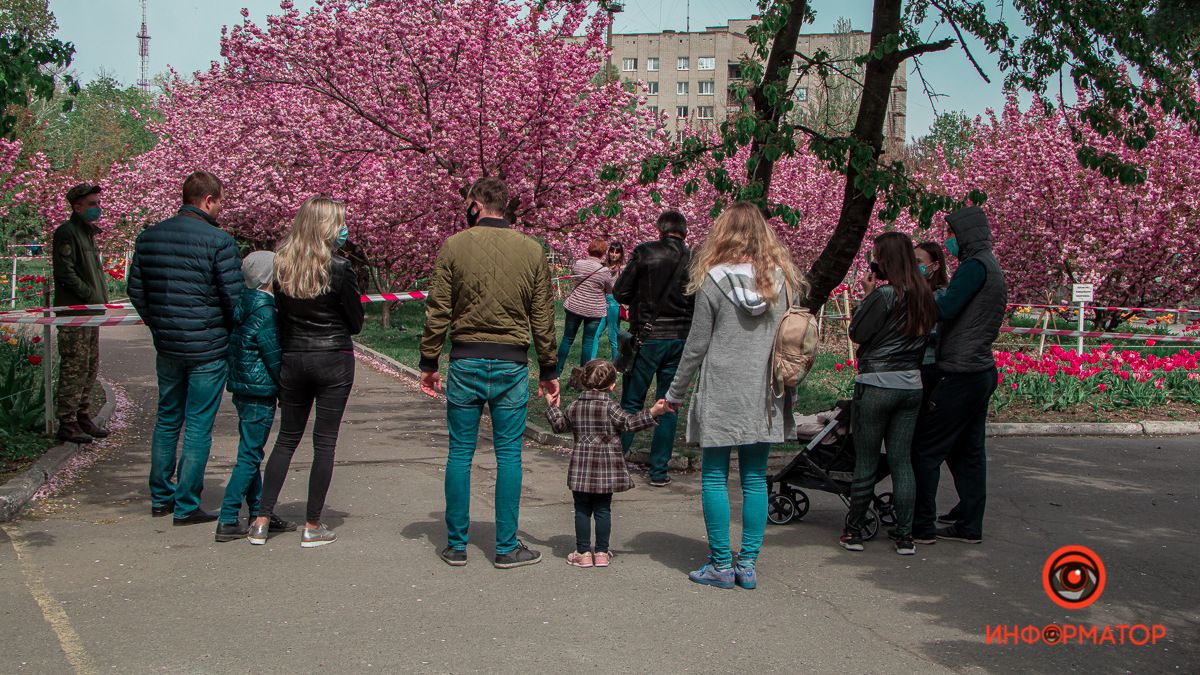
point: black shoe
(904, 545)
(851, 541)
(660, 482)
(925, 539)
(453, 557)
(948, 518)
(89, 427)
(71, 433)
(278, 524)
(196, 517)
(164, 510)
(952, 533)
(231, 531)
(518, 557)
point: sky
(185, 35)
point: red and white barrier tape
(394, 297)
(75, 321)
(1102, 335)
(1103, 308)
(63, 308)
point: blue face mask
(924, 272)
(342, 238)
(92, 214)
(952, 246)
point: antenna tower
(143, 37)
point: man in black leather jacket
(656, 269)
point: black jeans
(953, 428)
(307, 377)
(587, 506)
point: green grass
(818, 393)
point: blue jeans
(570, 328)
(611, 323)
(255, 417)
(504, 387)
(657, 360)
(189, 394)
(714, 475)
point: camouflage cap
(80, 191)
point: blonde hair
(741, 234)
(303, 260)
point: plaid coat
(597, 463)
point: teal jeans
(612, 323)
(255, 417)
(714, 477)
(656, 360)
(189, 394)
(504, 387)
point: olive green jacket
(78, 274)
(490, 292)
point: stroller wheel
(886, 509)
(781, 509)
(801, 500)
(870, 526)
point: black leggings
(587, 505)
(307, 377)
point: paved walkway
(90, 583)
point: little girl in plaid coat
(597, 468)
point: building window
(681, 88)
(704, 112)
(707, 88)
(652, 64)
(652, 87)
(706, 63)
(681, 63)
(802, 94)
(628, 64)
(681, 111)
(735, 71)
(653, 110)
(680, 135)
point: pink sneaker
(603, 558)
(580, 559)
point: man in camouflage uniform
(78, 280)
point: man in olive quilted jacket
(490, 292)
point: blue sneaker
(711, 575)
(743, 574)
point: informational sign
(1081, 292)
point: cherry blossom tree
(398, 110)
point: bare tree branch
(949, 16)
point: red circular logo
(1074, 577)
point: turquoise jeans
(714, 476)
(612, 323)
(504, 387)
(189, 394)
(587, 349)
(255, 417)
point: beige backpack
(795, 347)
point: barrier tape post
(849, 342)
(12, 284)
(1082, 306)
(47, 365)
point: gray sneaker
(258, 533)
(318, 537)
(518, 557)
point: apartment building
(688, 76)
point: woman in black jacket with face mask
(319, 309)
(890, 328)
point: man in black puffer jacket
(185, 281)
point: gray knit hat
(258, 269)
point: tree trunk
(835, 261)
(776, 74)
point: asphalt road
(90, 583)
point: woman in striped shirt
(587, 304)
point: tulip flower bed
(21, 400)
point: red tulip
(34, 359)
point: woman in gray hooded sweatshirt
(733, 330)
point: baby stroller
(826, 463)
